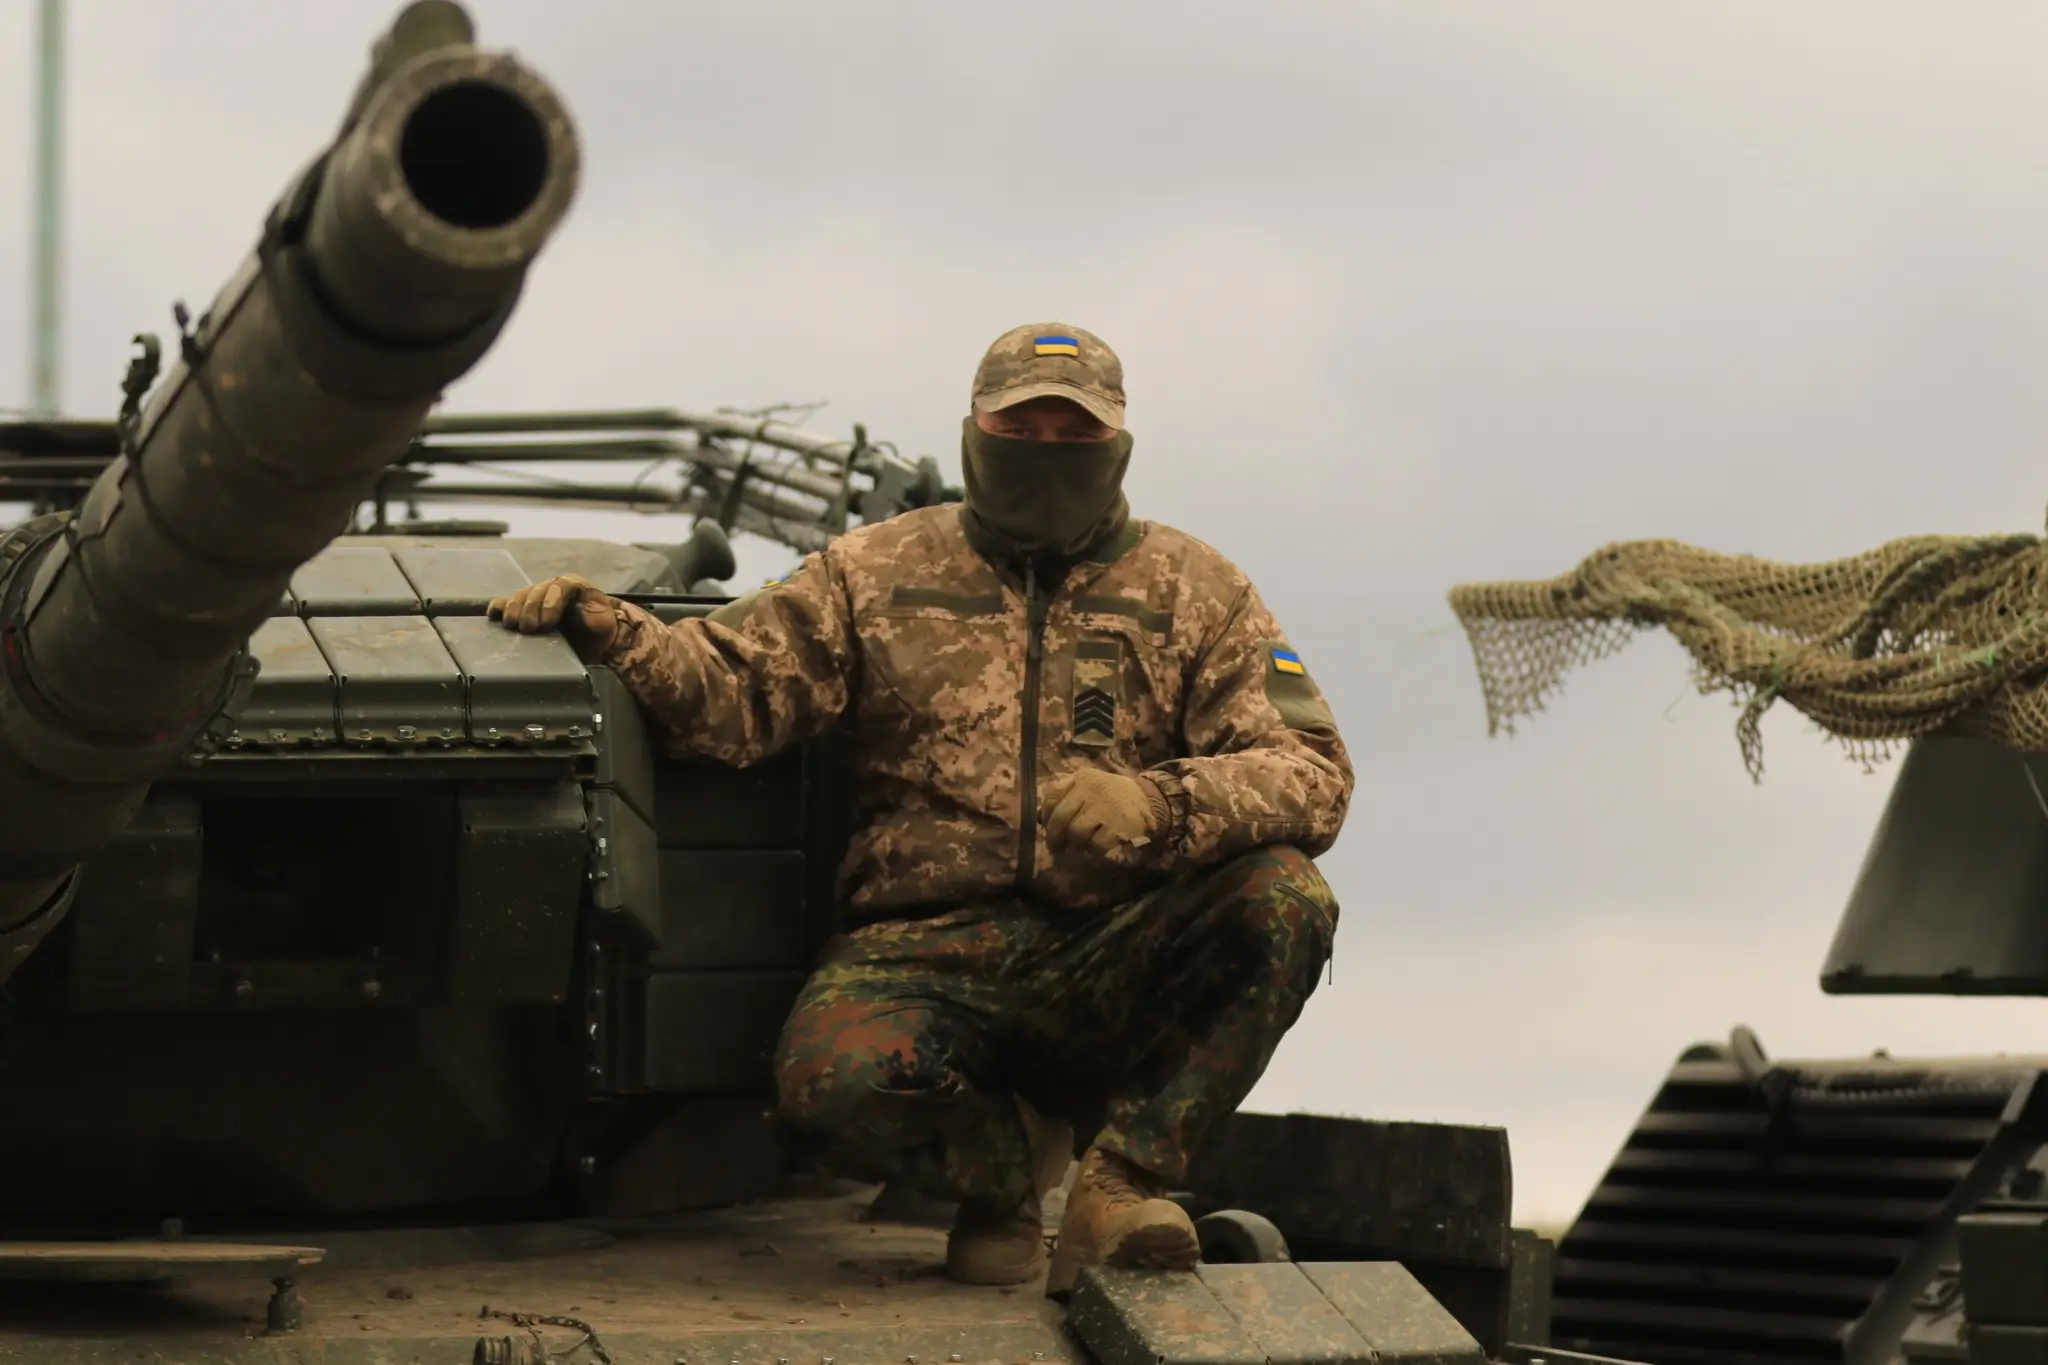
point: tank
(391, 997)
(1872, 1210)
(431, 1013)
(1865, 1210)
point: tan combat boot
(1118, 1214)
(1007, 1246)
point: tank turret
(385, 271)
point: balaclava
(1050, 498)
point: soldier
(1090, 777)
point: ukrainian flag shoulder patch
(1287, 661)
(1056, 346)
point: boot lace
(1114, 1177)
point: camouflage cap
(1051, 360)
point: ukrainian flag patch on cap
(1055, 346)
(1287, 661)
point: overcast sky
(1407, 295)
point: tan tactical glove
(587, 618)
(1105, 813)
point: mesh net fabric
(1922, 635)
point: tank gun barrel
(386, 271)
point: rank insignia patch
(1098, 687)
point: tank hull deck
(798, 1280)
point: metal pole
(45, 310)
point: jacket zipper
(1034, 651)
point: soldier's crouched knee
(813, 1093)
(1282, 897)
(862, 1095)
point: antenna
(45, 312)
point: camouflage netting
(1927, 634)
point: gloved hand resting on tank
(587, 617)
(1105, 813)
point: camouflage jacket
(968, 690)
